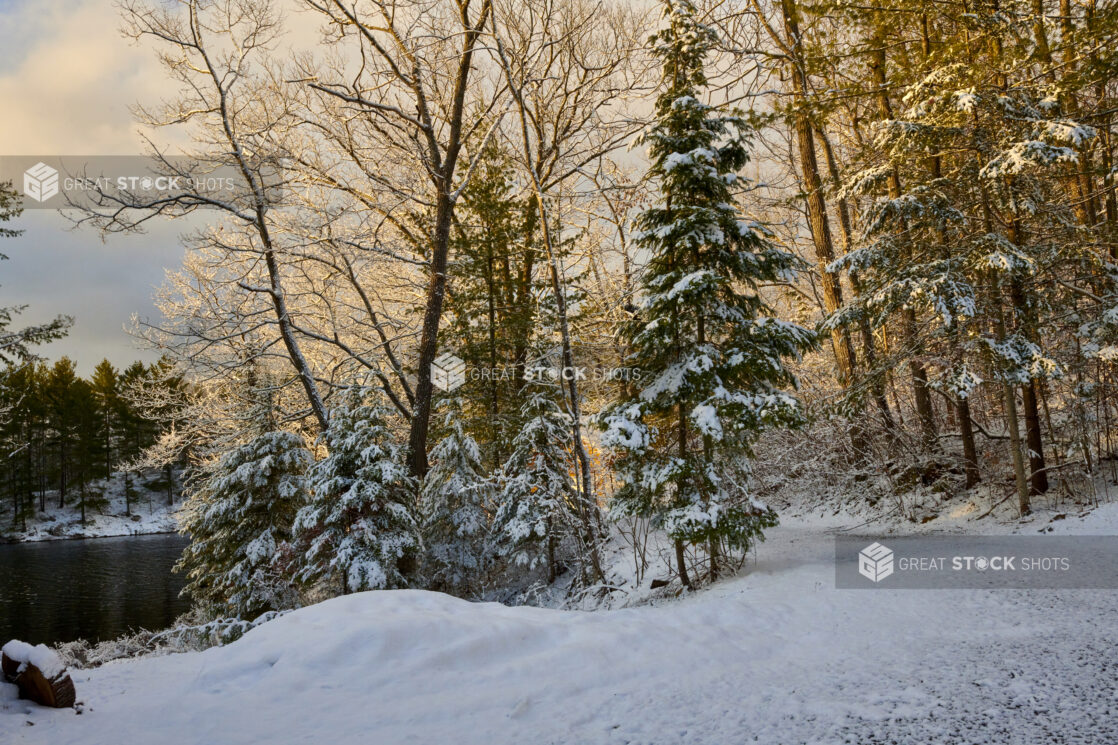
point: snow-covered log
(39, 673)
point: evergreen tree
(239, 521)
(533, 513)
(966, 222)
(106, 392)
(492, 307)
(137, 430)
(456, 498)
(360, 524)
(62, 432)
(86, 449)
(61, 396)
(23, 439)
(705, 338)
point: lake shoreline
(120, 509)
(6, 541)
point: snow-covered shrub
(188, 634)
(536, 488)
(360, 524)
(455, 500)
(239, 518)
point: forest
(61, 432)
(510, 286)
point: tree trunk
(1011, 408)
(970, 454)
(921, 395)
(1015, 443)
(924, 411)
(869, 354)
(428, 344)
(714, 554)
(1038, 474)
(681, 565)
(813, 194)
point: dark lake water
(95, 589)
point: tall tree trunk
(1015, 443)
(1010, 401)
(1087, 206)
(1078, 181)
(587, 499)
(921, 395)
(1038, 473)
(683, 437)
(869, 353)
(924, 411)
(813, 194)
(428, 342)
(491, 313)
(970, 454)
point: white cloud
(72, 81)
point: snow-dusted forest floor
(150, 512)
(777, 655)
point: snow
(150, 512)
(41, 656)
(623, 429)
(1069, 133)
(702, 279)
(774, 656)
(706, 420)
(966, 100)
(1023, 156)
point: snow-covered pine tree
(239, 520)
(705, 339)
(968, 227)
(456, 499)
(360, 523)
(533, 513)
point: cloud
(54, 270)
(71, 79)
(68, 81)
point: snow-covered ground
(150, 512)
(776, 656)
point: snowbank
(778, 656)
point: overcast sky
(67, 80)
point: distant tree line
(63, 432)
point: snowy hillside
(150, 512)
(776, 656)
